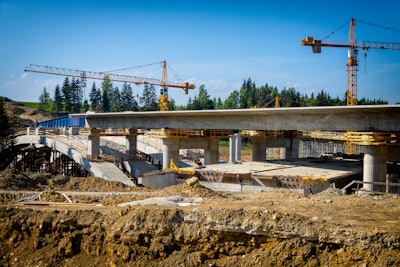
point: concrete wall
(157, 180)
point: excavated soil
(246, 229)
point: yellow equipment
(163, 102)
(277, 100)
(179, 171)
(352, 61)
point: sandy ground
(218, 229)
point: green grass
(224, 150)
(31, 104)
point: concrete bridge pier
(232, 148)
(171, 148)
(238, 147)
(375, 166)
(211, 151)
(292, 150)
(170, 151)
(260, 145)
(93, 145)
(131, 144)
(259, 149)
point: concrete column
(212, 152)
(394, 153)
(259, 149)
(73, 130)
(292, 151)
(374, 170)
(170, 151)
(238, 152)
(93, 145)
(131, 144)
(232, 149)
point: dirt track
(263, 229)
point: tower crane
(352, 61)
(163, 101)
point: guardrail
(387, 184)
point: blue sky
(215, 43)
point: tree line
(109, 98)
(251, 96)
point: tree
(202, 100)
(95, 98)
(128, 102)
(76, 96)
(232, 101)
(148, 100)
(57, 101)
(218, 103)
(85, 106)
(4, 123)
(44, 102)
(106, 88)
(7, 147)
(115, 97)
(67, 95)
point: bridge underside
(70, 159)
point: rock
(192, 181)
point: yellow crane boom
(163, 101)
(352, 61)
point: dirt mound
(195, 190)
(173, 237)
(22, 116)
(12, 180)
(95, 184)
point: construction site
(302, 186)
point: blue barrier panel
(62, 122)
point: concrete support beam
(131, 144)
(93, 145)
(374, 169)
(73, 131)
(238, 146)
(232, 148)
(211, 153)
(170, 151)
(259, 149)
(292, 151)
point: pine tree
(148, 100)
(95, 98)
(115, 97)
(106, 87)
(57, 101)
(67, 95)
(44, 102)
(127, 100)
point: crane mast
(352, 59)
(352, 67)
(163, 102)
